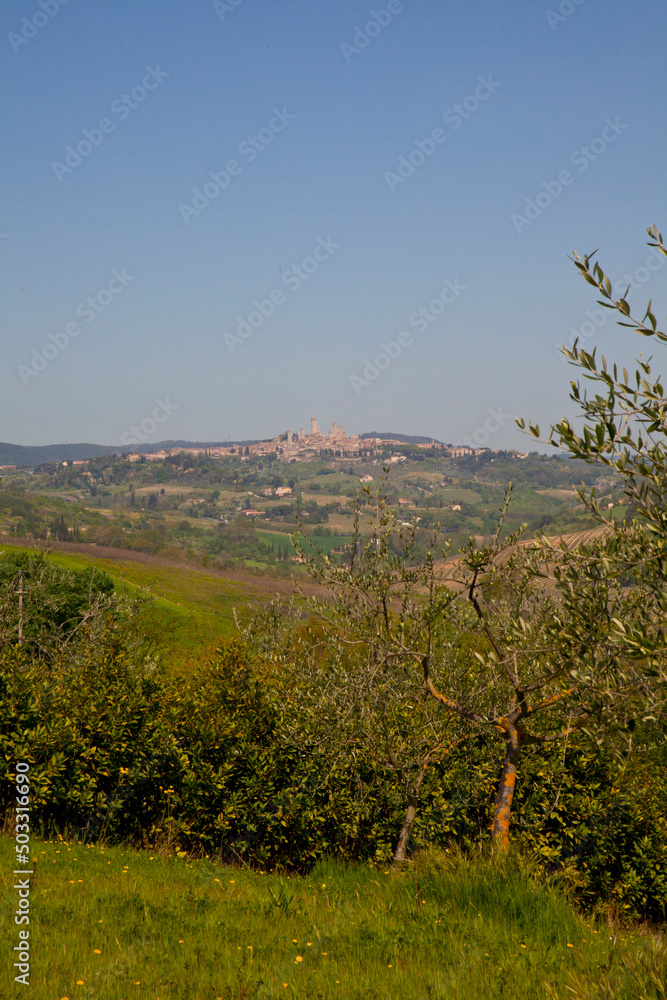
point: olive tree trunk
(406, 831)
(401, 851)
(500, 829)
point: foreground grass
(115, 923)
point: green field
(324, 498)
(110, 923)
(197, 606)
(322, 542)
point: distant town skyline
(286, 446)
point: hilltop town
(239, 502)
(302, 447)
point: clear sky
(372, 161)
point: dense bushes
(95, 738)
(126, 753)
(599, 826)
(204, 765)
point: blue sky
(309, 109)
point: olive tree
(543, 659)
(623, 426)
(564, 639)
(551, 661)
(579, 640)
(381, 610)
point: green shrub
(124, 753)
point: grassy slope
(197, 604)
(115, 923)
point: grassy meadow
(192, 606)
(110, 923)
